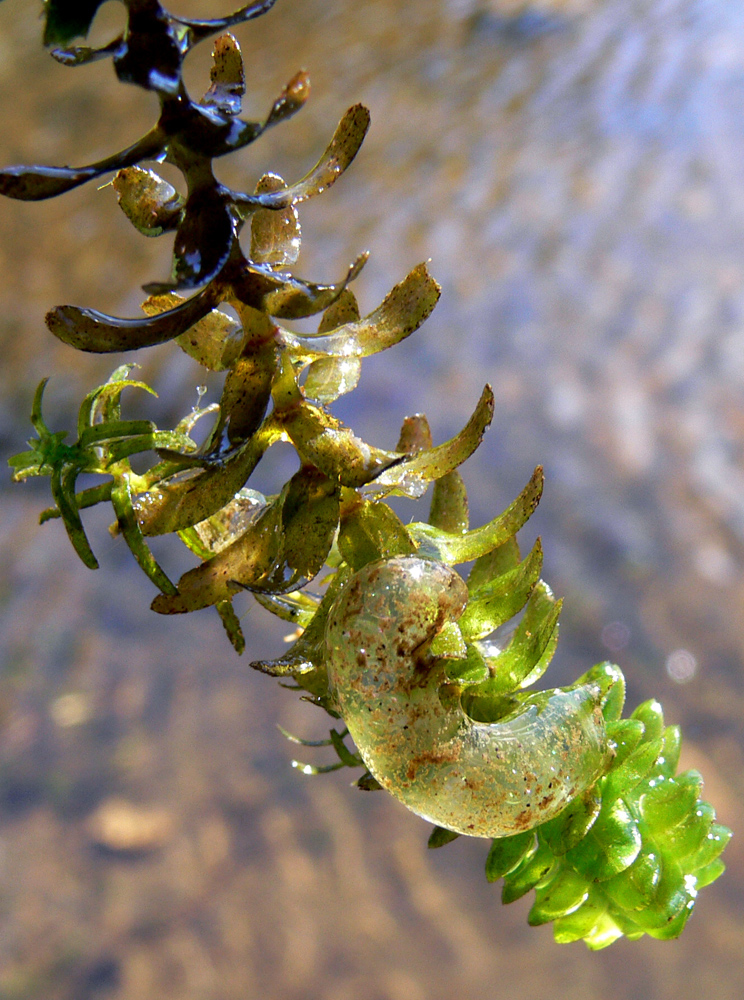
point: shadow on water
(575, 171)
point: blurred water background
(575, 172)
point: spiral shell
(483, 779)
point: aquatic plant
(429, 673)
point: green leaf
(611, 845)
(68, 19)
(449, 504)
(454, 549)
(507, 852)
(439, 837)
(371, 531)
(412, 477)
(563, 893)
(493, 604)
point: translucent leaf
(412, 477)
(507, 852)
(340, 152)
(224, 527)
(150, 203)
(275, 235)
(491, 605)
(227, 76)
(286, 544)
(454, 549)
(372, 531)
(215, 341)
(449, 504)
(90, 330)
(180, 502)
(329, 378)
(402, 311)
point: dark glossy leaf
(68, 19)
(201, 29)
(153, 50)
(38, 183)
(79, 55)
(204, 239)
(90, 330)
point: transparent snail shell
(479, 779)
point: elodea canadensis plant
(583, 806)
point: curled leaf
(343, 147)
(402, 311)
(90, 330)
(412, 477)
(462, 548)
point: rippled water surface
(575, 171)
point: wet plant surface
(577, 184)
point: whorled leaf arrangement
(585, 807)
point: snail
(482, 779)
